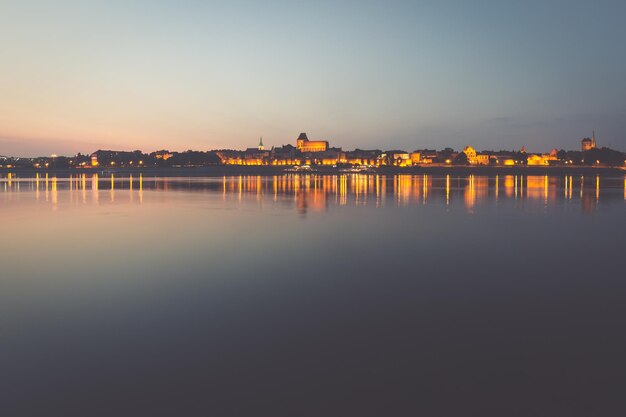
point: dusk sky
(76, 76)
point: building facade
(303, 144)
(588, 144)
(471, 155)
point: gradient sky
(76, 76)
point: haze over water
(310, 295)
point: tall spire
(261, 147)
(593, 138)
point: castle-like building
(588, 144)
(303, 144)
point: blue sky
(81, 75)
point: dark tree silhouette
(461, 159)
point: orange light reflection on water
(311, 192)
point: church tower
(302, 139)
(588, 144)
(261, 147)
(593, 139)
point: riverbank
(235, 170)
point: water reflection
(449, 285)
(316, 193)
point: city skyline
(367, 74)
(307, 153)
(443, 146)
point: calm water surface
(313, 296)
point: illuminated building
(504, 158)
(482, 159)
(428, 156)
(119, 158)
(251, 156)
(589, 144)
(541, 160)
(332, 156)
(363, 157)
(305, 145)
(535, 160)
(163, 154)
(397, 158)
(471, 155)
(285, 155)
(254, 156)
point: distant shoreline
(231, 170)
